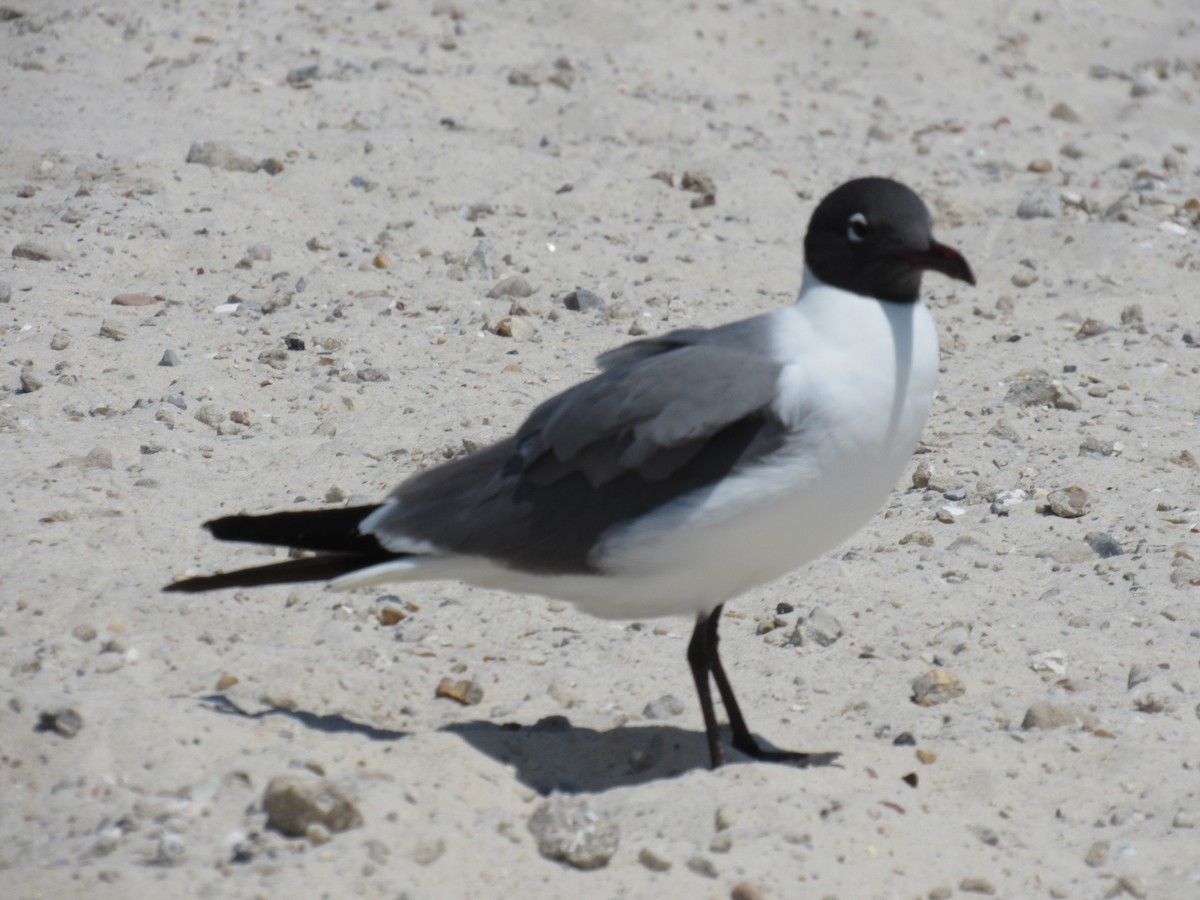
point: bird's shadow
(551, 755)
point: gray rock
(1096, 448)
(169, 358)
(580, 300)
(1097, 854)
(1005, 432)
(36, 252)
(1104, 545)
(568, 829)
(665, 707)
(1185, 574)
(218, 155)
(1006, 501)
(477, 265)
(976, 886)
(1064, 113)
(1138, 674)
(1043, 202)
(943, 481)
(513, 286)
(276, 358)
(654, 859)
(294, 802)
(303, 75)
(1039, 389)
(96, 458)
(518, 328)
(111, 331)
(28, 383)
(371, 374)
(922, 473)
(1045, 714)
(1069, 503)
(936, 686)
(65, 722)
(822, 626)
(5, 292)
(170, 850)
(60, 341)
(210, 415)
(704, 866)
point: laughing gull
(695, 466)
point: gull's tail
(333, 533)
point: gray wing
(650, 416)
(670, 417)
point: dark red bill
(947, 260)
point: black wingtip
(323, 567)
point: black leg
(704, 659)
(700, 659)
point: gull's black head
(874, 236)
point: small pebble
(922, 474)
(317, 834)
(1064, 113)
(516, 327)
(1132, 885)
(700, 183)
(1045, 714)
(704, 866)
(1041, 166)
(936, 686)
(34, 251)
(1096, 448)
(665, 707)
(112, 332)
(169, 358)
(1042, 202)
(822, 626)
(513, 286)
(1069, 503)
(1138, 674)
(746, 890)
(134, 300)
(976, 886)
(569, 829)
(1005, 502)
(65, 722)
(1097, 854)
(218, 155)
(1092, 328)
(1104, 545)
(580, 300)
(170, 851)
(294, 802)
(466, 692)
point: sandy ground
(437, 149)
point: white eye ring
(857, 228)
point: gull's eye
(857, 228)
